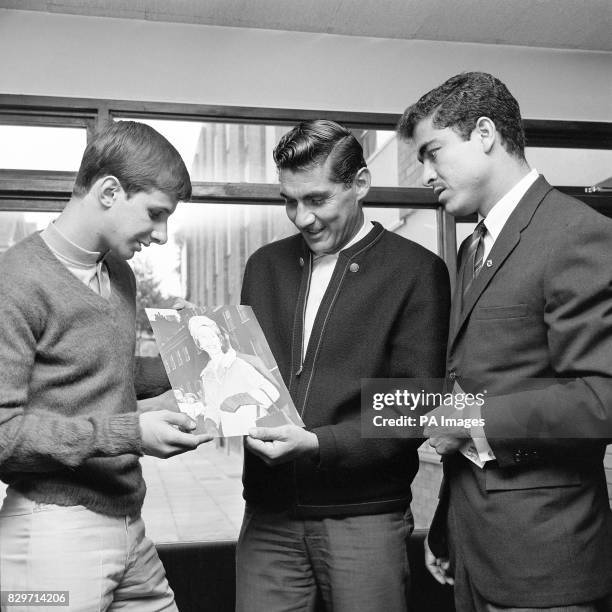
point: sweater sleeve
(416, 349)
(38, 440)
(150, 378)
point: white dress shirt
(322, 271)
(501, 211)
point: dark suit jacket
(534, 527)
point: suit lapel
(504, 245)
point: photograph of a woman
(221, 369)
(234, 393)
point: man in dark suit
(524, 520)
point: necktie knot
(480, 230)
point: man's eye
(155, 215)
(432, 154)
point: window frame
(48, 191)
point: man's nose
(304, 217)
(160, 234)
(429, 173)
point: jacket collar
(504, 245)
(366, 242)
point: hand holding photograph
(221, 369)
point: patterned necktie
(474, 257)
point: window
(235, 210)
(27, 147)
(564, 166)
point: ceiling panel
(571, 24)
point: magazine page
(221, 369)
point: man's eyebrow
(311, 195)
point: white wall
(65, 55)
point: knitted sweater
(69, 433)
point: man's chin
(456, 208)
(317, 246)
(126, 253)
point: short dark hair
(311, 143)
(461, 100)
(138, 156)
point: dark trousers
(354, 564)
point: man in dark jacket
(327, 509)
(526, 524)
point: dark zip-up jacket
(383, 315)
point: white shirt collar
(501, 211)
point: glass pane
(383, 156)
(417, 225)
(223, 152)
(571, 167)
(236, 152)
(14, 226)
(24, 147)
(209, 244)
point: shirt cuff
(484, 450)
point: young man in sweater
(328, 511)
(70, 435)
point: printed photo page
(221, 369)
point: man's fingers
(180, 419)
(263, 449)
(267, 433)
(437, 567)
(186, 440)
(181, 303)
(434, 570)
(445, 565)
(258, 446)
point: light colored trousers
(105, 563)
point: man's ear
(362, 182)
(107, 189)
(486, 131)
